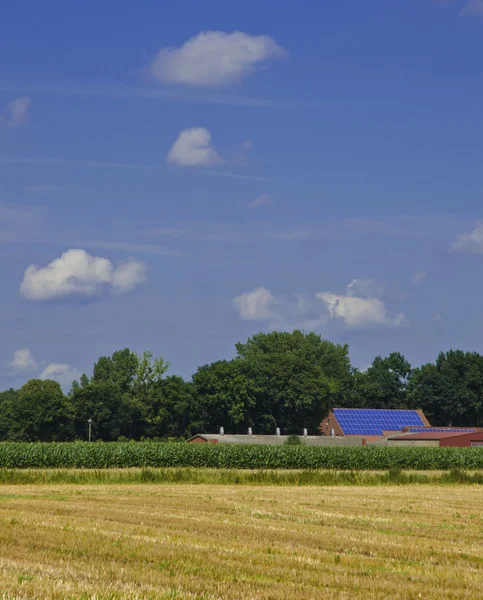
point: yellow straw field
(240, 542)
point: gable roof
(430, 435)
(372, 421)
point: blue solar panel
(366, 421)
(439, 430)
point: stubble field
(240, 542)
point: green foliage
(451, 390)
(281, 477)
(384, 384)
(293, 440)
(123, 398)
(126, 455)
(289, 380)
(40, 412)
(226, 396)
(8, 400)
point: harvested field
(239, 542)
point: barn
(272, 440)
(456, 438)
(371, 423)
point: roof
(430, 435)
(371, 421)
(278, 440)
(439, 430)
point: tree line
(289, 380)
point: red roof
(429, 435)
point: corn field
(133, 454)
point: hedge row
(123, 455)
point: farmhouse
(455, 438)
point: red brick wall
(462, 441)
(330, 423)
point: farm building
(373, 424)
(446, 437)
(273, 440)
(363, 426)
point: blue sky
(177, 178)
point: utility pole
(90, 428)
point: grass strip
(202, 476)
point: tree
(8, 400)
(41, 412)
(451, 390)
(226, 396)
(176, 412)
(101, 402)
(298, 378)
(121, 396)
(120, 369)
(384, 384)
(289, 380)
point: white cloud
(193, 149)
(62, 373)
(128, 275)
(299, 312)
(353, 310)
(214, 58)
(17, 111)
(419, 278)
(262, 200)
(366, 287)
(470, 242)
(256, 305)
(362, 310)
(76, 273)
(22, 361)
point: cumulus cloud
(353, 310)
(76, 273)
(193, 149)
(128, 275)
(470, 242)
(256, 305)
(262, 200)
(297, 312)
(214, 58)
(17, 111)
(366, 287)
(62, 373)
(359, 306)
(22, 361)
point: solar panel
(439, 430)
(367, 421)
